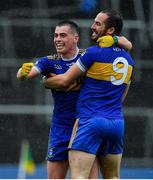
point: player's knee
(111, 176)
(115, 177)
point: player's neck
(71, 55)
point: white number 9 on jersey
(119, 70)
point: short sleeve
(44, 65)
(87, 58)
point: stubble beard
(95, 36)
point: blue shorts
(59, 138)
(98, 135)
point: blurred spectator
(88, 6)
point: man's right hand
(26, 68)
(106, 41)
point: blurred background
(26, 32)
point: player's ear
(76, 38)
(110, 30)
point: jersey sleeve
(87, 59)
(44, 65)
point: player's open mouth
(95, 34)
(59, 46)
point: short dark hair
(74, 27)
(114, 20)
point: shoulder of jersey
(57, 56)
(54, 57)
(81, 51)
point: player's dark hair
(74, 27)
(114, 20)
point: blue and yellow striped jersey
(64, 112)
(108, 71)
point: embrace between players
(90, 86)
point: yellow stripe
(74, 87)
(52, 74)
(75, 128)
(103, 71)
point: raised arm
(124, 43)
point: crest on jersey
(50, 152)
(54, 57)
(82, 51)
(57, 66)
(70, 64)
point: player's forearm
(32, 74)
(124, 43)
(64, 80)
(56, 82)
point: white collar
(73, 57)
